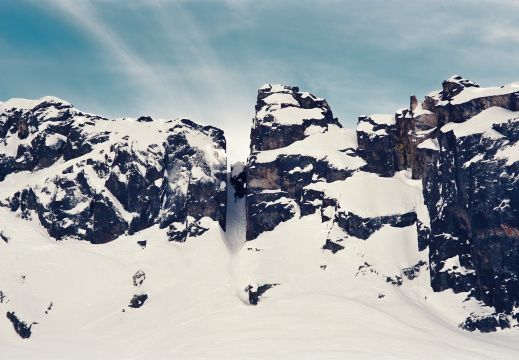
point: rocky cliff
(458, 147)
(461, 142)
(437, 181)
(287, 155)
(90, 178)
(323, 168)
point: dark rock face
(472, 195)
(267, 210)
(385, 142)
(138, 300)
(375, 145)
(454, 86)
(276, 183)
(480, 214)
(138, 278)
(412, 272)
(333, 247)
(238, 179)
(270, 131)
(111, 179)
(255, 296)
(363, 228)
(469, 178)
(4, 237)
(20, 327)
(486, 324)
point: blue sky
(206, 59)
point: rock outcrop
(447, 167)
(287, 154)
(462, 143)
(95, 179)
(20, 326)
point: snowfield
(326, 306)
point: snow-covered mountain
(129, 239)
(95, 179)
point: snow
(197, 173)
(470, 93)
(368, 195)
(475, 159)
(237, 168)
(24, 104)
(430, 144)
(197, 307)
(55, 140)
(279, 98)
(324, 146)
(291, 115)
(314, 129)
(338, 312)
(236, 217)
(419, 111)
(509, 152)
(482, 123)
(206, 144)
(305, 94)
(423, 133)
(383, 119)
(473, 92)
(367, 127)
(89, 286)
(453, 265)
(297, 169)
(379, 119)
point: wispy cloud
(194, 84)
(84, 14)
(205, 59)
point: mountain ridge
(414, 208)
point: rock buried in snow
(138, 278)
(486, 324)
(254, 296)
(330, 245)
(138, 300)
(412, 272)
(4, 237)
(20, 327)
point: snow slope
(328, 306)
(371, 299)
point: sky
(206, 59)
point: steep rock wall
(295, 141)
(94, 179)
(461, 142)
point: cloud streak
(84, 14)
(205, 59)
